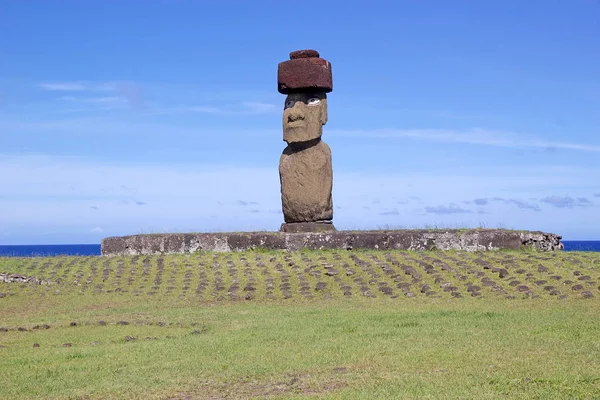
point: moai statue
(305, 168)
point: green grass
(327, 324)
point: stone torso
(306, 183)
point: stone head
(304, 115)
(306, 79)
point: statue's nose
(295, 114)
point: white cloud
(247, 107)
(52, 191)
(79, 86)
(95, 100)
(472, 136)
(97, 230)
(64, 86)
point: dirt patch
(297, 384)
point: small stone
(129, 338)
(386, 290)
(73, 324)
(36, 345)
(122, 323)
(577, 287)
(503, 273)
(102, 323)
(587, 295)
(67, 345)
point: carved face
(304, 115)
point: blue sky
(125, 117)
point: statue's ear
(324, 115)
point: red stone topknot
(305, 71)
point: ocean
(49, 250)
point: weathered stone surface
(16, 278)
(542, 241)
(303, 73)
(469, 240)
(306, 183)
(295, 227)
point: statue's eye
(313, 101)
(289, 103)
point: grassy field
(328, 324)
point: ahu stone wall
(468, 240)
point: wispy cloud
(63, 86)
(516, 202)
(108, 100)
(566, 201)
(522, 204)
(390, 212)
(247, 107)
(79, 86)
(123, 92)
(443, 210)
(473, 136)
(246, 203)
(97, 230)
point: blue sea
(48, 250)
(94, 249)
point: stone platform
(459, 239)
